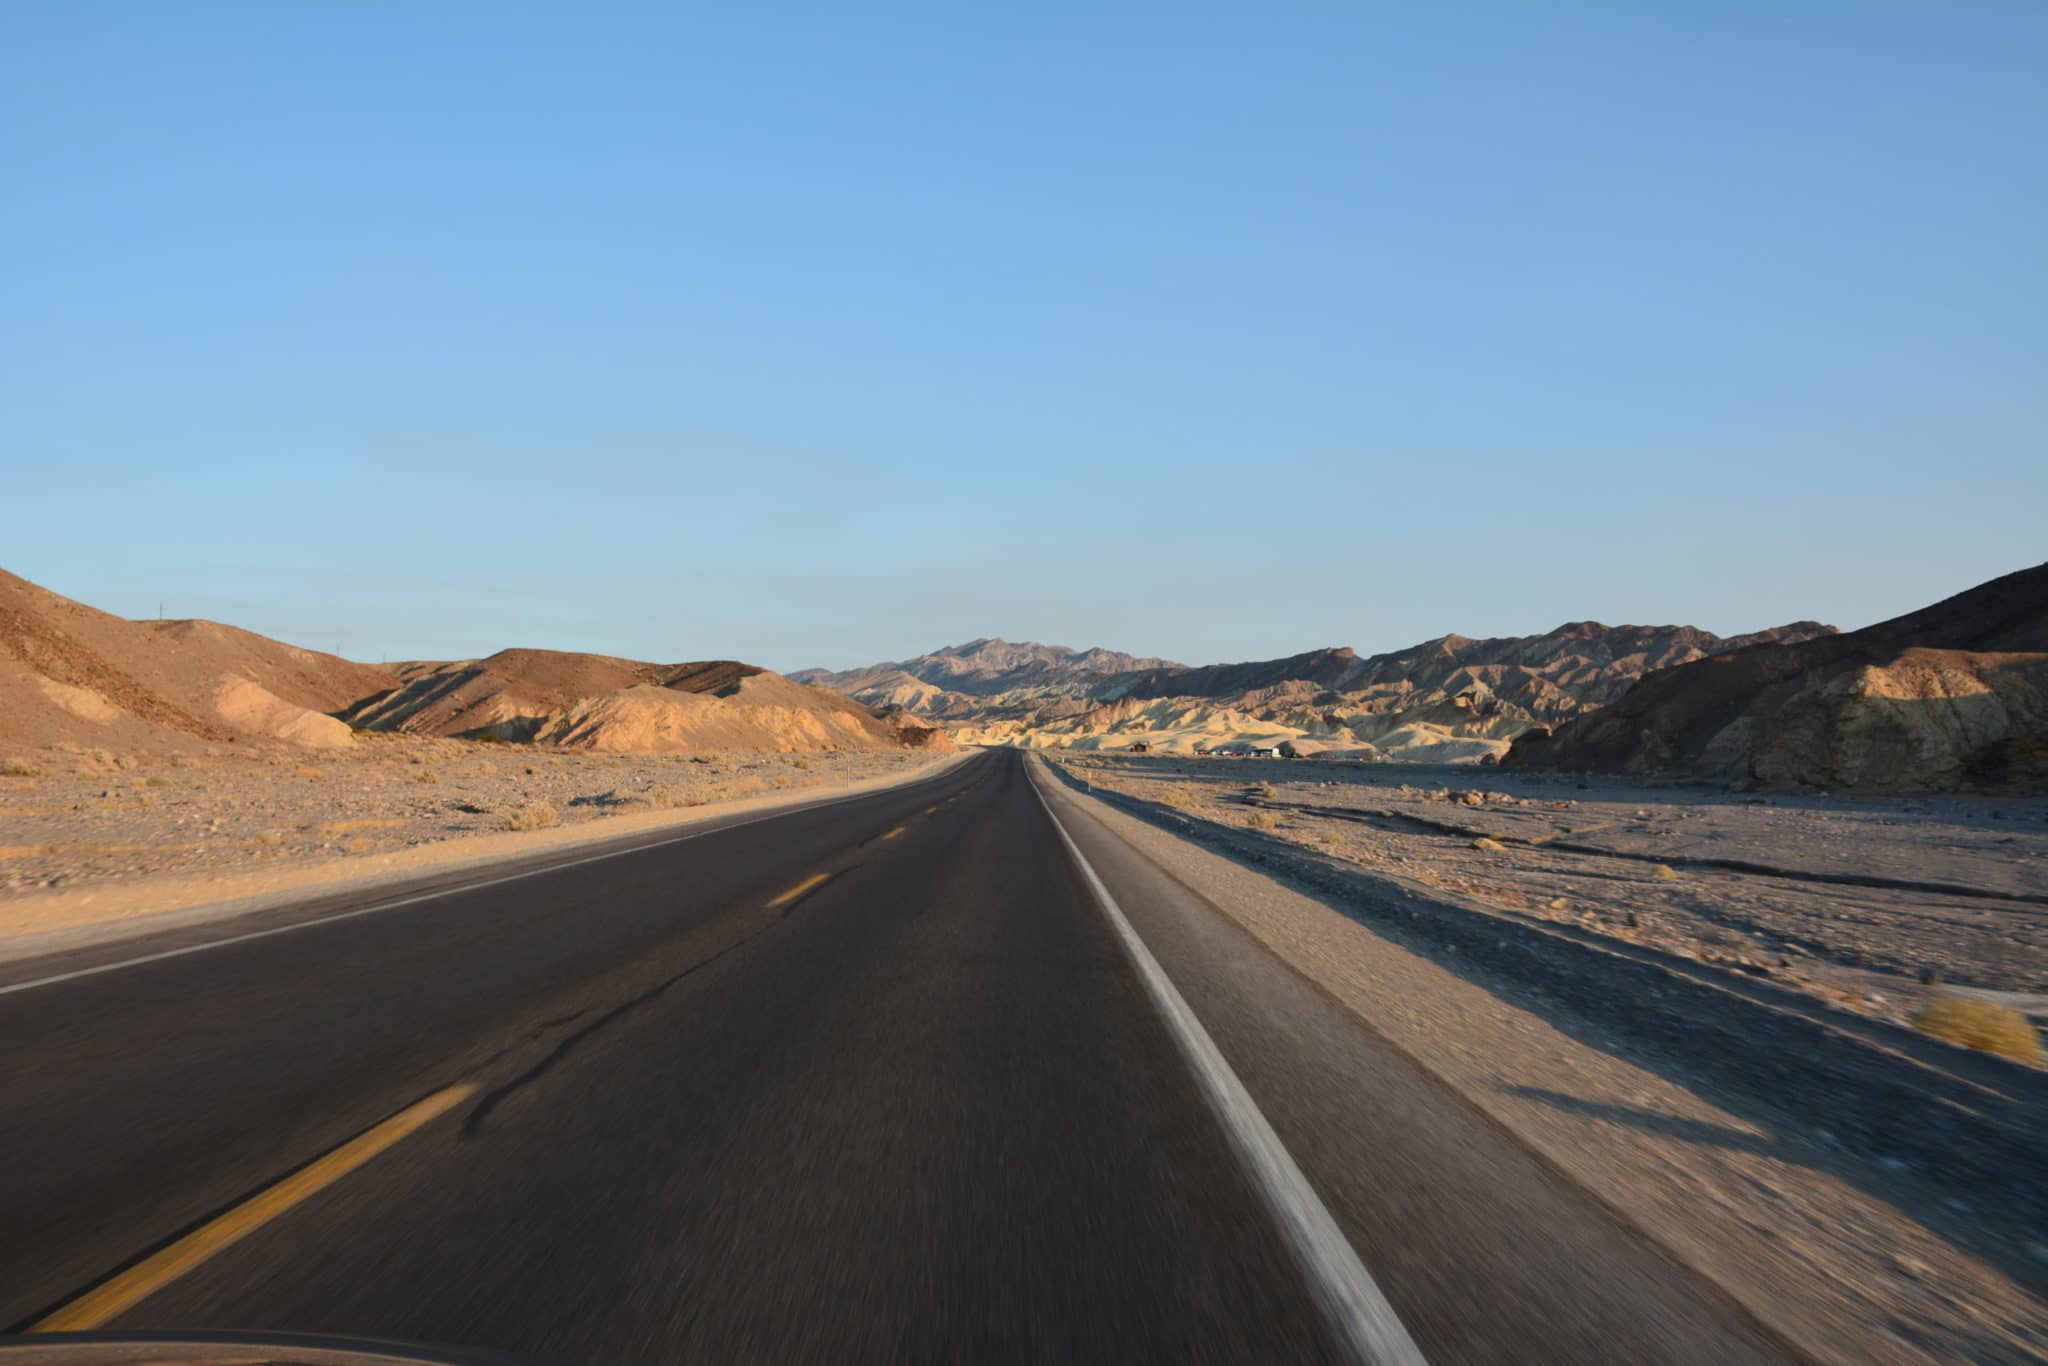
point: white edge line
(414, 900)
(1364, 1322)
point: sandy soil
(110, 836)
(1852, 1260)
(1850, 900)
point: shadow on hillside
(1916, 1125)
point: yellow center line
(797, 891)
(893, 833)
(152, 1273)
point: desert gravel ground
(93, 819)
(1961, 900)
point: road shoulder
(1806, 1238)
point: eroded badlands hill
(1451, 699)
(1953, 695)
(73, 676)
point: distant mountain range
(1452, 698)
(1954, 695)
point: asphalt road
(876, 1080)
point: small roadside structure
(1141, 747)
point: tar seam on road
(1365, 1324)
(116, 966)
(160, 1268)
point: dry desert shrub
(1259, 820)
(533, 816)
(19, 768)
(662, 796)
(349, 827)
(1980, 1024)
(1664, 871)
(426, 775)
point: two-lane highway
(871, 1081)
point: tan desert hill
(1953, 695)
(73, 674)
(508, 695)
(1449, 700)
(760, 711)
(601, 702)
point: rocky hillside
(623, 706)
(1451, 699)
(70, 674)
(1953, 695)
(946, 682)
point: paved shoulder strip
(1364, 1322)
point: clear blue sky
(827, 335)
